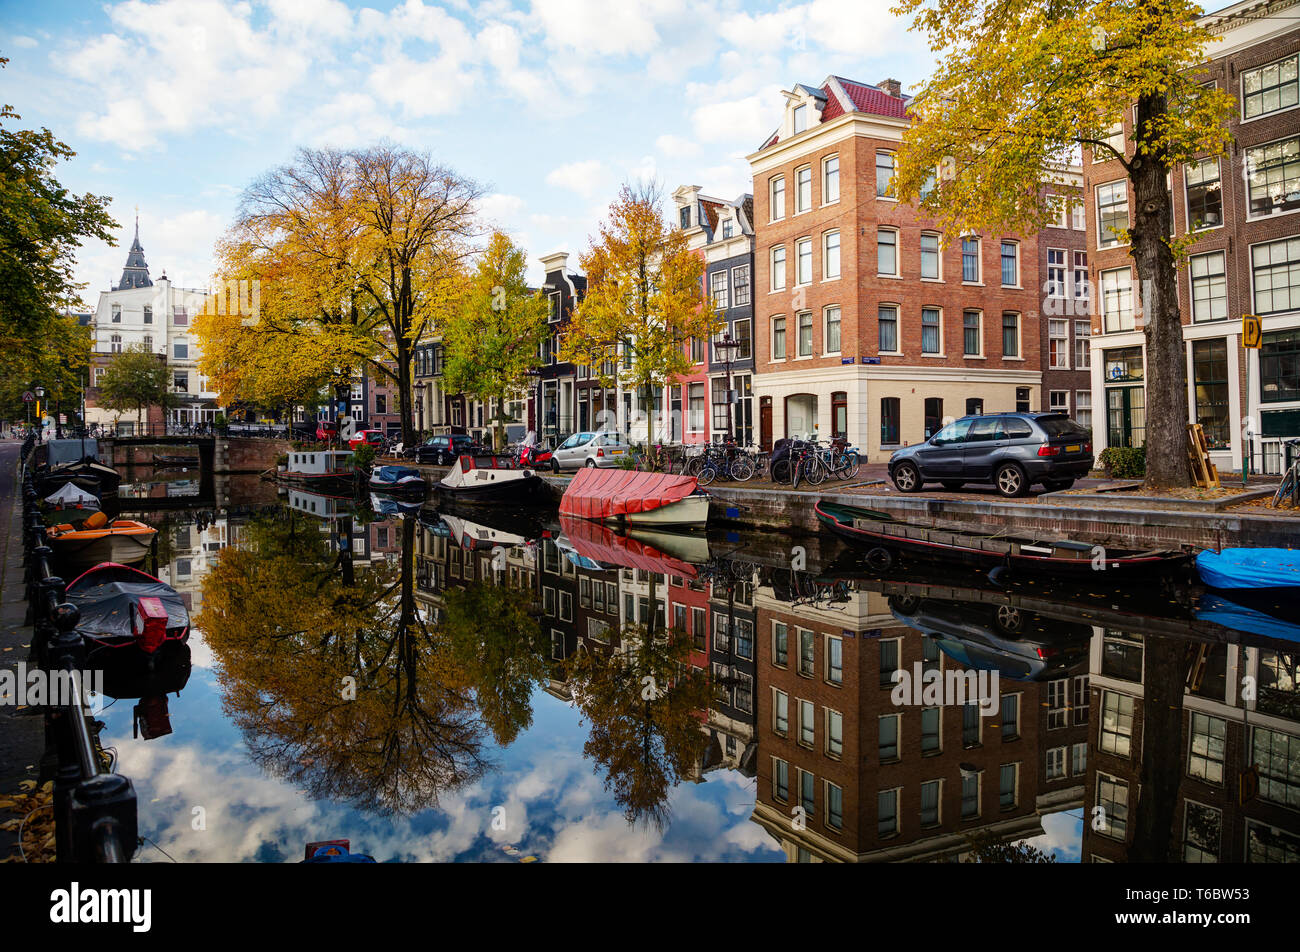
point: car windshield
(952, 433)
(1058, 427)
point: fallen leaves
(30, 810)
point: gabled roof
(841, 96)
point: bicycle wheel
(851, 464)
(708, 472)
(814, 471)
(741, 469)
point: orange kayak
(98, 540)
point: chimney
(891, 86)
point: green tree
(136, 379)
(644, 300)
(493, 339)
(1022, 85)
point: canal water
(501, 685)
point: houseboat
(330, 472)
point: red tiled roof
(866, 99)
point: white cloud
(500, 210)
(745, 120)
(23, 42)
(676, 147)
(585, 177)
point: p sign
(1250, 331)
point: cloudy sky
(175, 105)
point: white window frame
(803, 252)
(898, 252)
(827, 273)
(772, 263)
(826, 312)
(1259, 69)
(773, 191)
(826, 161)
(1128, 213)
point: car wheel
(1009, 620)
(590, 463)
(1010, 480)
(1056, 485)
(907, 478)
(952, 485)
(555, 466)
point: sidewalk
(22, 732)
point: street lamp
(40, 412)
(727, 347)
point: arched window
(115, 343)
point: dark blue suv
(1013, 451)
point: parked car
(442, 450)
(1013, 451)
(373, 438)
(590, 449)
(326, 430)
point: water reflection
(723, 704)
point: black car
(443, 450)
(1013, 451)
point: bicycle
(723, 459)
(660, 461)
(807, 465)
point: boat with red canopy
(627, 496)
(599, 547)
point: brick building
(871, 322)
(1245, 258)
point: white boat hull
(691, 511)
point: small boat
(169, 461)
(474, 535)
(397, 481)
(1238, 568)
(390, 506)
(323, 471)
(122, 607)
(97, 539)
(74, 461)
(594, 547)
(629, 497)
(490, 479)
(71, 496)
(885, 537)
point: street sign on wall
(1251, 331)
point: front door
(765, 425)
(1125, 416)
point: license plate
(617, 452)
(1073, 448)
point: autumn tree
(492, 340)
(644, 300)
(136, 379)
(1023, 84)
(357, 254)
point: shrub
(1124, 462)
(363, 457)
(282, 459)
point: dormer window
(727, 228)
(800, 118)
(686, 217)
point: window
(806, 792)
(1010, 334)
(888, 318)
(180, 316)
(834, 806)
(930, 803)
(1081, 282)
(834, 733)
(1010, 716)
(1010, 264)
(780, 780)
(1279, 366)
(1117, 300)
(148, 314)
(1204, 194)
(1270, 88)
(931, 335)
(934, 418)
(778, 197)
(1083, 408)
(929, 255)
(888, 745)
(807, 725)
(803, 189)
(930, 736)
(1273, 176)
(778, 338)
(974, 406)
(887, 812)
(1008, 779)
(972, 338)
(1058, 344)
(696, 408)
(741, 330)
(970, 260)
(887, 251)
(1112, 213)
(1114, 138)
(1079, 217)
(884, 174)
(718, 289)
(1082, 352)
(1278, 756)
(805, 334)
(115, 343)
(1268, 844)
(148, 342)
(1116, 723)
(1202, 832)
(1079, 760)
(1056, 763)
(889, 414)
(697, 350)
(778, 268)
(888, 661)
(1055, 272)
(831, 179)
(800, 118)
(1205, 760)
(803, 261)
(831, 255)
(740, 285)
(686, 217)
(806, 649)
(181, 381)
(970, 724)
(728, 227)
(780, 712)
(780, 643)
(1112, 797)
(1210, 377)
(1276, 270)
(117, 314)
(970, 795)
(832, 335)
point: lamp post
(727, 346)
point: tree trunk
(1164, 677)
(1166, 361)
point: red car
(326, 430)
(373, 438)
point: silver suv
(593, 448)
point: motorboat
(632, 498)
(490, 480)
(76, 462)
(401, 481)
(98, 539)
(1249, 569)
(123, 608)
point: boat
(390, 506)
(323, 471)
(490, 479)
(122, 607)
(474, 535)
(172, 461)
(71, 496)
(1239, 568)
(592, 546)
(76, 462)
(397, 481)
(97, 539)
(632, 498)
(885, 538)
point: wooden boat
(122, 607)
(71, 496)
(632, 498)
(75, 461)
(1250, 569)
(169, 461)
(885, 537)
(324, 471)
(400, 481)
(96, 540)
(490, 479)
